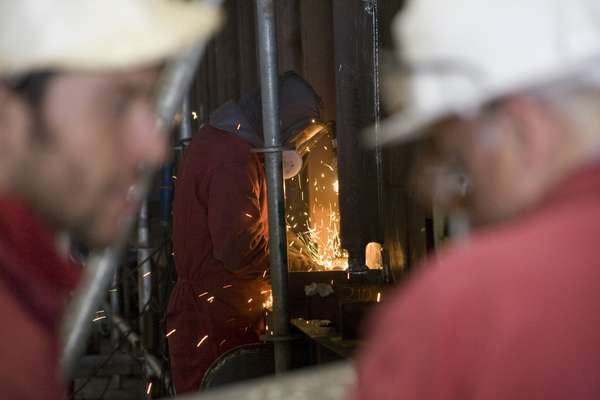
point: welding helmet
(456, 56)
(91, 35)
(299, 117)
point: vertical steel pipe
(143, 262)
(185, 129)
(267, 50)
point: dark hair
(32, 87)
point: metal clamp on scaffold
(272, 149)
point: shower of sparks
(268, 303)
(170, 333)
(378, 297)
(321, 241)
(316, 231)
(149, 389)
(202, 341)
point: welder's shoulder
(215, 147)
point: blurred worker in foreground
(510, 93)
(76, 122)
(220, 229)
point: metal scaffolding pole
(185, 130)
(102, 266)
(144, 264)
(267, 50)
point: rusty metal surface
(332, 382)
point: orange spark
(203, 294)
(202, 341)
(170, 333)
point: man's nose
(147, 144)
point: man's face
(77, 161)
(494, 166)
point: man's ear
(535, 129)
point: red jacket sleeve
(235, 219)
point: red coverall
(514, 313)
(221, 253)
(34, 284)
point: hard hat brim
(165, 29)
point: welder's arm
(234, 216)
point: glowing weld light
(170, 333)
(202, 341)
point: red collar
(30, 263)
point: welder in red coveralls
(220, 234)
(76, 121)
(509, 92)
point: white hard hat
(97, 34)
(460, 54)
